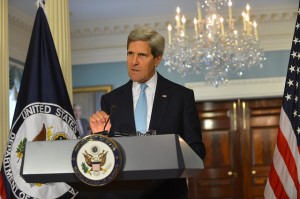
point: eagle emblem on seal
(96, 160)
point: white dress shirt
(150, 93)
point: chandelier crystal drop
(214, 50)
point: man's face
(77, 112)
(140, 62)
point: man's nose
(135, 59)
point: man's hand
(98, 120)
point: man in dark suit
(83, 126)
(171, 108)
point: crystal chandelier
(214, 50)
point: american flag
(284, 173)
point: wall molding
(98, 56)
(239, 89)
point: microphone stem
(106, 123)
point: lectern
(146, 160)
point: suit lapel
(127, 105)
(160, 103)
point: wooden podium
(146, 161)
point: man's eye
(129, 53)
(142, 55)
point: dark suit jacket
(85, 126)
(174, 112)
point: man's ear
(157, 60)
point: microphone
(112, 110)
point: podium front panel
(145, 157)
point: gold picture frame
(89, 98)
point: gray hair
(154, 39)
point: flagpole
(4, 76)
(57, 12)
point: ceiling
(99, 28)
(91, 10)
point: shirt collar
(151, 83)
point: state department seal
(96, 160)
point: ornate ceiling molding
(19, 20)
(93, 45)
(23, 22)
(105, 41)
(20, 27)
(96, 28)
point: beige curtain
(59, 21)
(4, 77)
